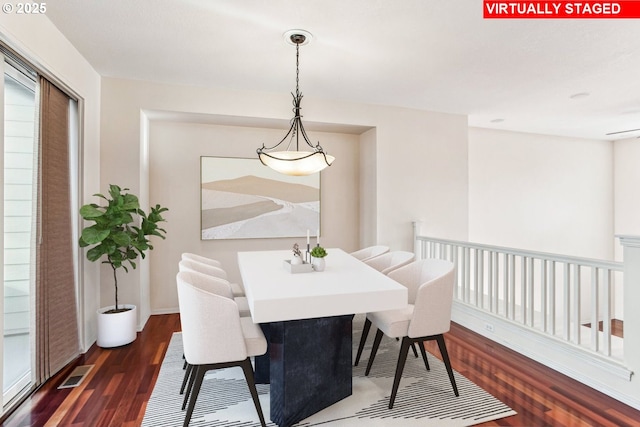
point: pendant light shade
(293, 160)
(296, 162)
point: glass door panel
(19, 135)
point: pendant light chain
(297, 68)
(296, 103)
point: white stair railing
(566, 297)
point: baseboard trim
(172, 310)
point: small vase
(318, 263)
(296, 260)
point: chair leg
(199, 374)
(363, 339)
(402, 358)
(424, 356)
(445, 357)
(374, 350)
(192, 378)
(248, 374)
(187, 374)
(413, 347)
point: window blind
(57, 341)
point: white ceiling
(437, 55)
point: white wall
(368, 190)
(178, 147)
(542, 193)
(39, 41)
(627, 189)
(421, 157)
(421, 175)
(626, 178)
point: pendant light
(293, 160)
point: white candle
(318, 234)
(307, 237)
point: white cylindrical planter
(116, 329)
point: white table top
(346, 286)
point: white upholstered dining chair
(215, 336)
(211, 270)
(385, 264)
(370, 252)
(430, 285)
(215, 285)
(203, 259)
(389, 261)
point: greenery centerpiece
(317, 258)
(120, 231)
(319, 252)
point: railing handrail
(590, 262)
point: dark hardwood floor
(117, 389)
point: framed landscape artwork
(243, 199)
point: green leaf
(91, 211)
(96, 253)
(114, 191)
(94, 234)
(121, 238)
(109, 247)
(130, 202)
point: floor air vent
(76, 376)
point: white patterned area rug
(425, 398)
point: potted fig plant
(119, 234)
(317, 258)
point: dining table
(307, 320)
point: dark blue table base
(308, 365)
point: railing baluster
(567, 302)
(595, 318)
(490, 284)
(480, 282)
(512, 287)
(532, 305)
(523, 289)
(496, 279)
(606, 312)
(544, 280)
(463, 271)
(455, 260)
(467, 273)
(476, 278)
(552, 298)
(577, 294)
(505, 284)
